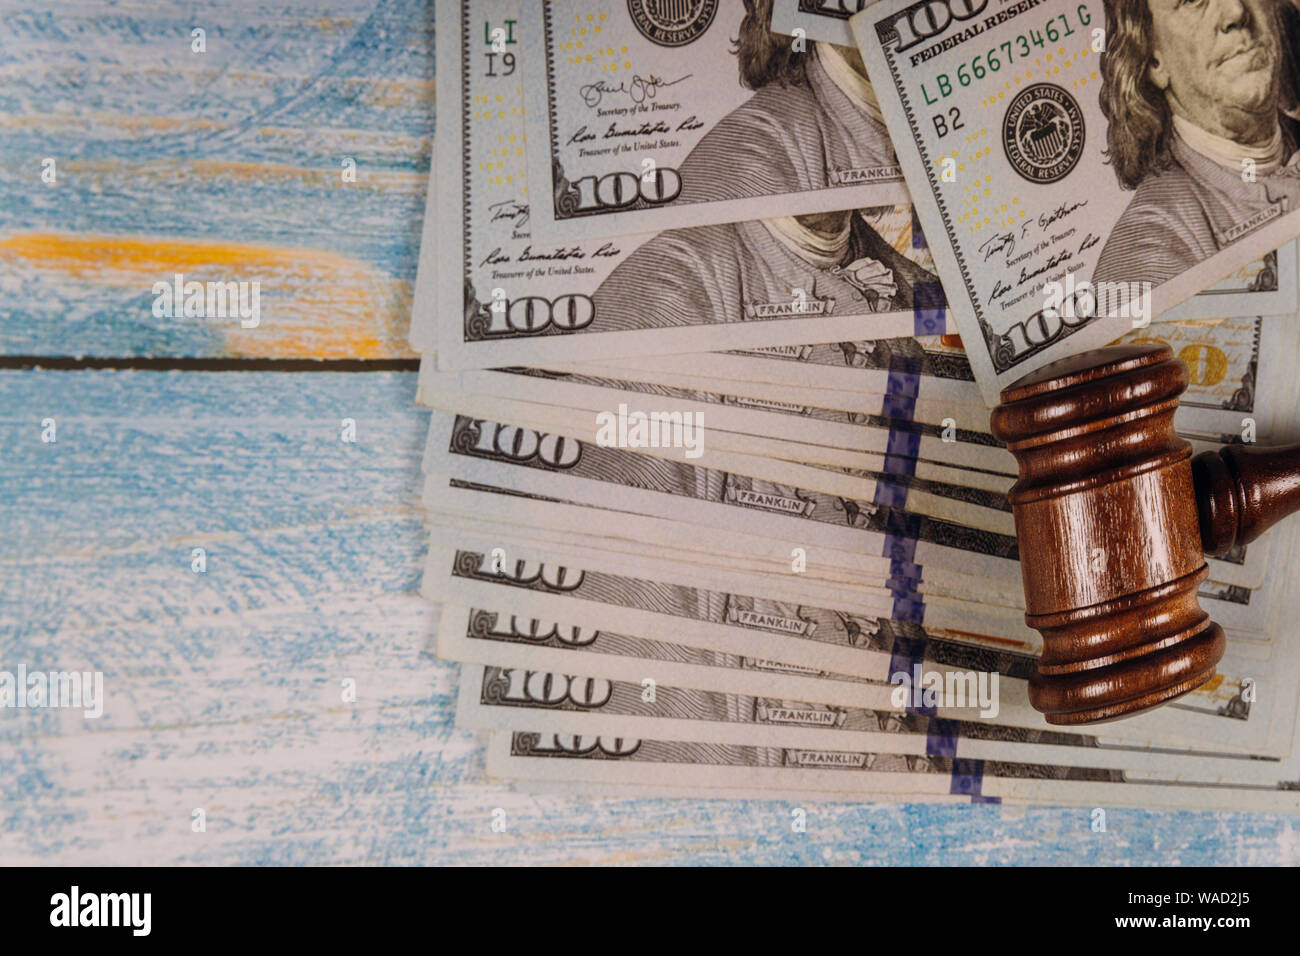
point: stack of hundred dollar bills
(714, 298)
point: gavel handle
(1242, 491)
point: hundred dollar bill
(973, 498)
(606, 759)
(619, 791)
(729, 528)
(509, 291)
(479, 636)
(770, 431)
(1240, 379)
(1237, 366)
(510, 521)
(935, 471)
(802, 649)
(605, 529)
(487, 556)
(500, 696)
(884, 592)
(614, 408)
(935, 402)
(720, 556)
(925, 382)
(878, 595)
(962, 492)
(704, 542)
(1241, 388)
(500, 454)
(645, 115)
(785, 466)
(559, 466)
(826, 20)
(696, 543)
(826, 467)
(971, 700)
(1269, 285)
(1069, 188)
(929, 401)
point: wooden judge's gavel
(1114, 518)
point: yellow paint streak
(329, 24)
(357, 140)
(396, 180)
(314, 303)
(398, 92)
(135, 124)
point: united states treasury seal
(672, 22)
(1042, 133)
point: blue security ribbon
(929, 304)
(968, 780)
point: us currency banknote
(477, 452)
(976, 499)
(1239, 376)
(479, 636)
(970, 492)
(826, 20)
(857, 775)
(508, 290)
(855, 473)
(879, 596)
(706, 548)
(1058, 216)
(893, 469)
(506, 697)
(648, 115)
(647, 500)
(770, 431)
(475, 563)
(1241, 578)
(951, 410)
(817, 568)
(774, 430)
(1237, 367)
(721, 556)
(807, 650)
(727, 538)
(632, 687)
(928, 400)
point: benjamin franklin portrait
(813, 117)
(749, 271)
(812, 123)
(1199, 96)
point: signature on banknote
(1002, 242)
(511, 209)
(638, 89)
(1005, 242)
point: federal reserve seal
(672, 22)
(1043, 133)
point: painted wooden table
(224, 688)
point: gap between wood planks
(153, 364)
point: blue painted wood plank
(224, 165)
(139, 454)
(224, 689)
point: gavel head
(1108, 532)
